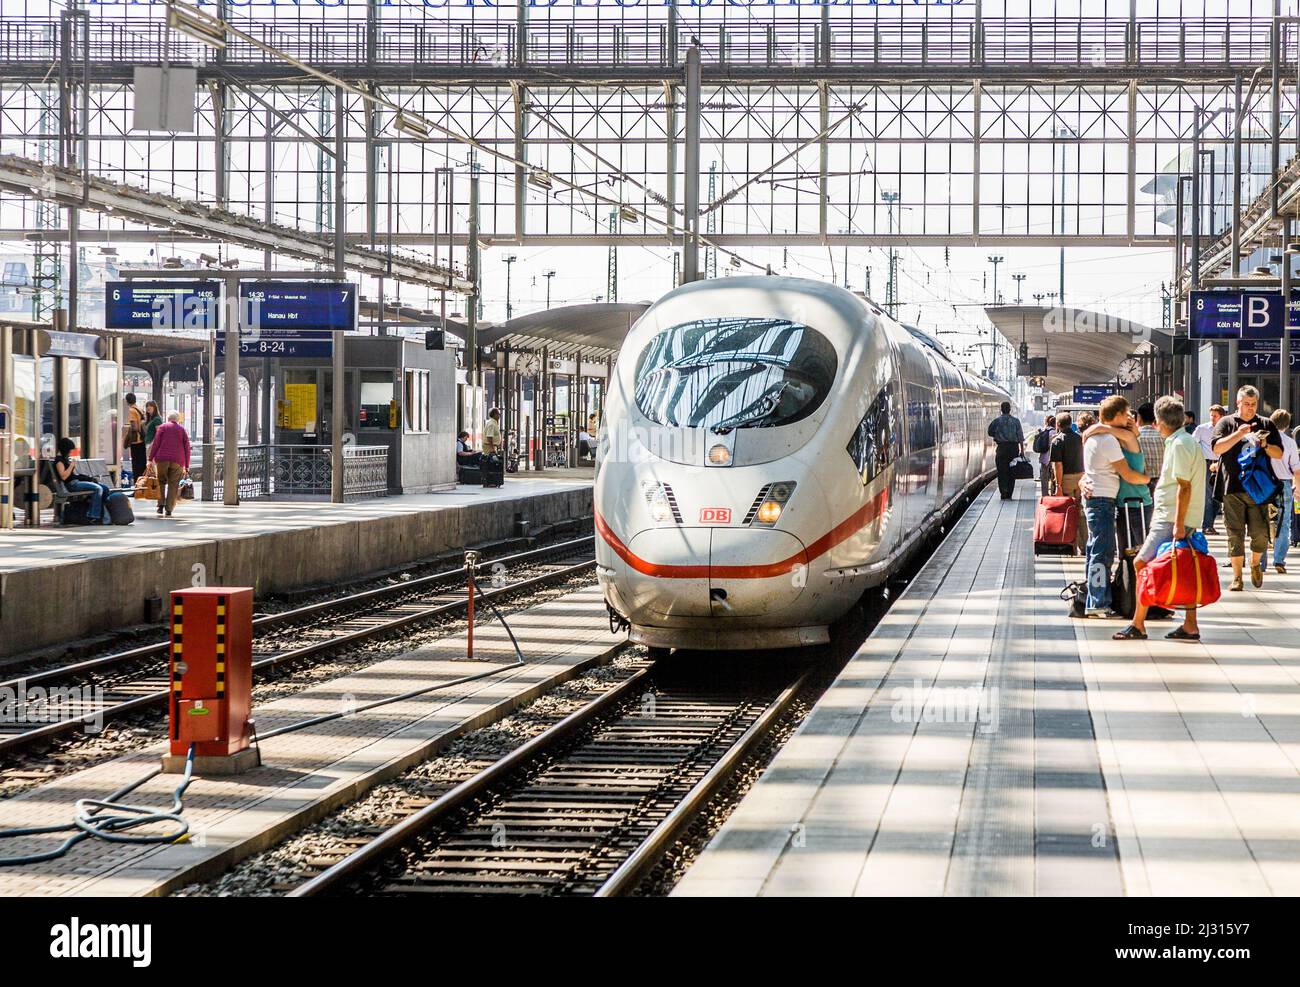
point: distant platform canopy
(595, 329)
(1081, 346)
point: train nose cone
(669, 571)
(755, 571)
(714, 572)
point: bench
(84, 469)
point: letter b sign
(1262, 316)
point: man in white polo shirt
(1179, 497)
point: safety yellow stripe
(221, 609)
(176, 648)
(176, 610)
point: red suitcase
(1056, 525)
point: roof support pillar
(691, 176)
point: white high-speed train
(771, 448)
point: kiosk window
(417, 400)
(378, 392)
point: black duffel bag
(1021, 469)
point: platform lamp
(995, 261)
(510, 309)
(1019, 280)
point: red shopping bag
(1181, 577)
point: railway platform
(307, 773)
(982, 743)
(98, 578)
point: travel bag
(119, 509)
(1180, 577)
(1056, 525)
(1021, 469)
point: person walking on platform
(1066, 455)
(1043, 446)
(1240, 512)
(1179, 496)
(1104, 466)
(1151, 443)
(1287, 469)
(492, 432)
(170, 453)
(1005, 430)
(1204, 434)
(152, 419)
(133, 438)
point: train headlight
(773, 503)
(719, 455)
(659, 502)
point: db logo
(715, 515)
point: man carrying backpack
(1043, 446)
(1245, 442)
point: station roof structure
(597, 327)
(1081, 346)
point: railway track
(37, 708)
(586, 808)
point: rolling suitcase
(1130, 533)
(1056, 525)
(119, 509)
(492, 470)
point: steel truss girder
(504, 75)
(31, 178)
(625, 239)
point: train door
(916, 476)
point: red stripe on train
(846, 529)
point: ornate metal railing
(848, 39)
(296, 471)
(365, 472)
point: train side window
(920, 417)
(871, 447)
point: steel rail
(137, 703)
(672, 826)
(463, 795)
(273, 620)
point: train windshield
(730, 373)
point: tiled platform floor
(1090, 767)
